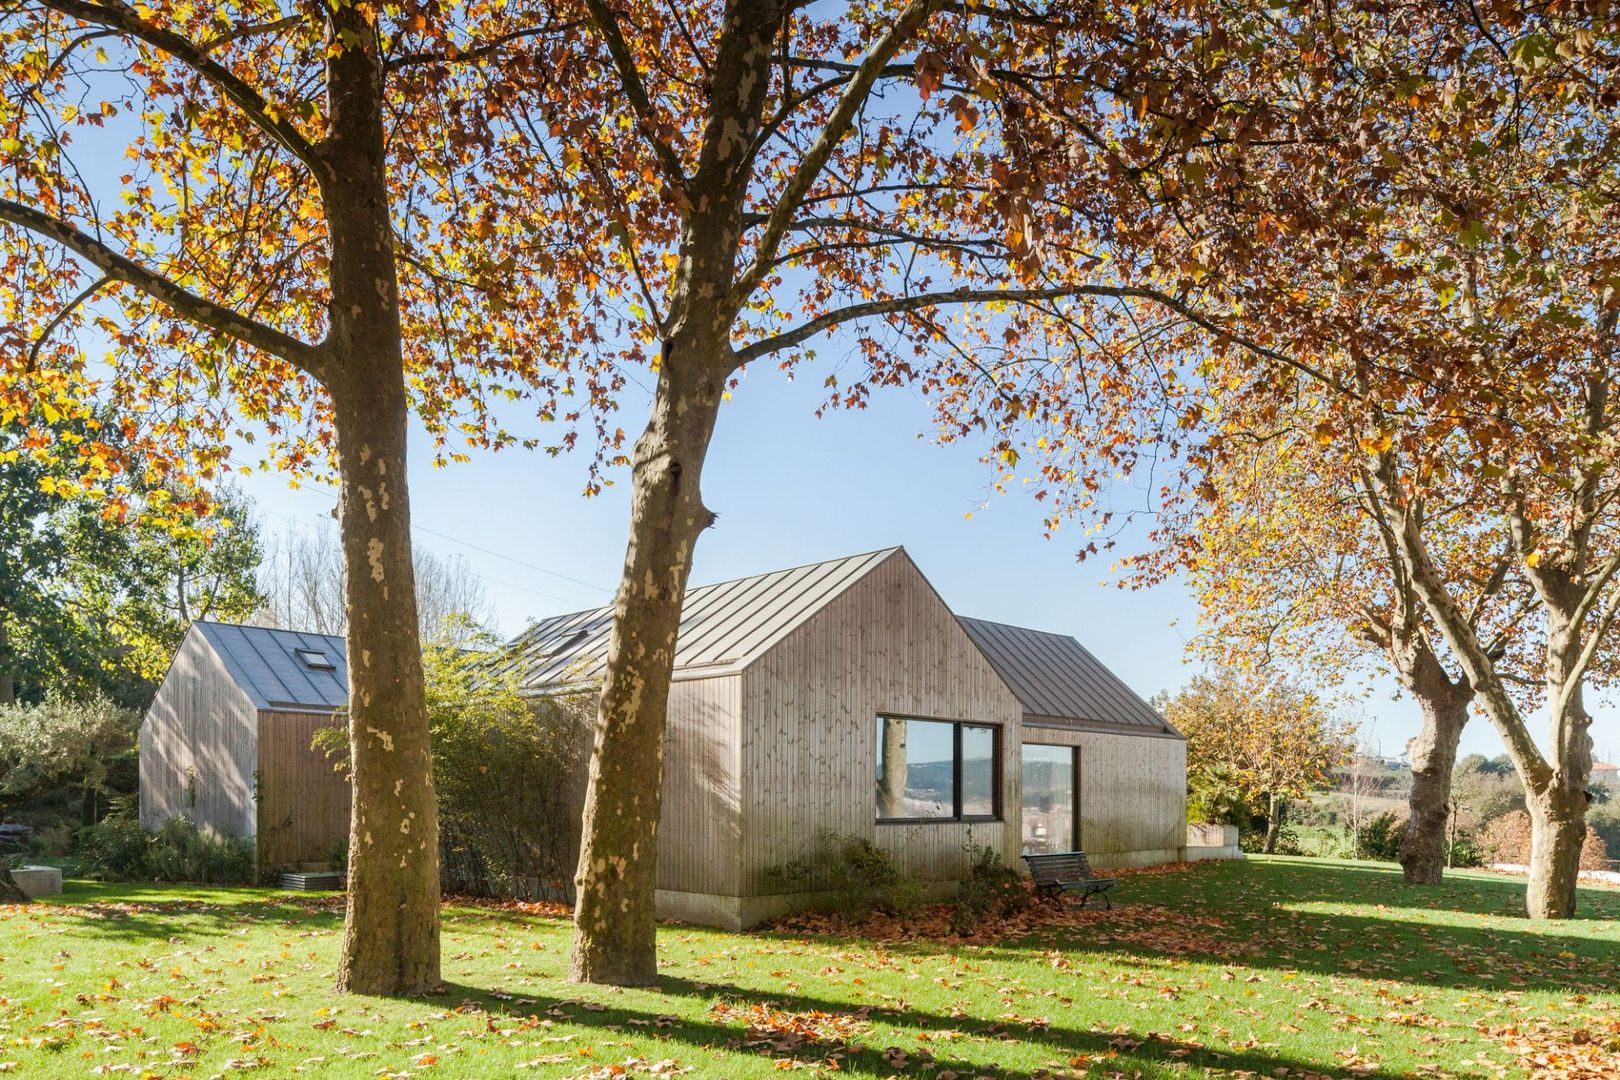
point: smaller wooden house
(226, 742)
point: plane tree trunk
(1558, 803)
(391, 932)
(614, 929)
(1276, 810)
(1445, 703)
(1555, 790)
(10, 893)
(618, 858)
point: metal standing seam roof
(265, 664)
(729, 623)
(1057, 680)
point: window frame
(1074, 782)
(956, 817)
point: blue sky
(789, 489)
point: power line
(326, 490)
(300, 523)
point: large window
(937, 770)
(1051, 798)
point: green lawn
(1235, 970)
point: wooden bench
(1068, 871)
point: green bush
(119, 849)
(510, 773)
(1380, 838)
(112, 850)
(179, 851)
(49, 841)
(1604, 819)
(1466, 851)
(861, 876)
(991, 890)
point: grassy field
(1289, 967)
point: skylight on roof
(316, 660)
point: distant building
(1605, 775)
(226, 743)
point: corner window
(937, 770)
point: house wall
(1133, 794)
(700, 827)
(198, 746)
(303, 802)
(887, 645)
(698, 830)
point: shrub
(509, 773)
(1507, 840)
(86, 742)
(991, 890)
(1465, 851)
(1380, 838)
(861, 876)
(51, 840)
(119, 849)
(337, 856)
(112, 850)
(1604, 819)
(179, 851)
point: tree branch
(118, 17)
(473, 53)
(805, 331)
(838, 125)
(60, 317)
(607, 25)
(1477, 665)
(1595, 637)
(180, 300)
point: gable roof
(725, 625)
(265, 664)
(1059, 682)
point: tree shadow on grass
(1228, 885)
(867, 1053)
(1399, 931)
(158, 913)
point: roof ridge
(690, 589)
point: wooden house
(841, 697)
(226, 742)
(846, 696)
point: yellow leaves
(1533, 559)
(1377, 443)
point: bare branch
(247, 30)
(62, 316)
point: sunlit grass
(1311, 966)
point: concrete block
(38, 881)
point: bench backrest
(1058, 866)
